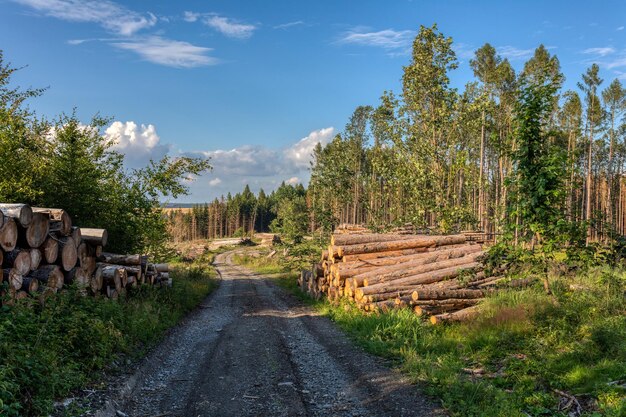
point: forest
(508, 146)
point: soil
(252, 349)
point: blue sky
(255, 84)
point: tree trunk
(95, 236)
(414, 243)
(22, 213)
(112, 258)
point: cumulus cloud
(191, 16)
(293, 181)
(229, 27)
(111, 16)
(169, 52)
(215, 181)
(300, 153)
(387, 39)
(138, 143)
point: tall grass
(48, 351)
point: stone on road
(251, 349)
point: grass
(510, 362)
(48, 351)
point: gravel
(251, 349)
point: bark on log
(35, 258)
(30, 284)
(67, 257)
(432, 263)
(76, 276)
(22, 213)
(12, 277)
(50, 275)
(162, 267)
(96, 281)
(50, 250)
(113, 258)
(465, 314)
(3, 219)
(36, 233)
(8, 235)
(421, 242)
(95, 236)
(18, 259)
(112, 276)
(60, 220)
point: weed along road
(251, 349)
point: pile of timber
(41, 252)
(269, 239)
(434, 275)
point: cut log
(36, 233)
(22, 213)
(35, 258)
(8, 235)
(50, 275)
(429, 294)
(96, 281)
(60, 220)
(355, 239)
(95, 236)
(30, 285)
(112, 258)
(13, 278)
(3, 219)
(421, 242)
(465, 314)
(113, 276)
(50, 250)
(435, 262)
(76, 276)
(19, 260)
(383, 255)
(67, 257)
(77, 235)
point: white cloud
(620, 28)
(289, 24)
(229, 27)
(293, 181)
(601, 51)
(169, 52)
(138, 143)
(191, 16)
(300, 153)
(387, 39)
(111, 16)
(215, 181)
(513, 53)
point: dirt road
(254, 350)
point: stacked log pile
(438, 276)
(41, 252)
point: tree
(614, 98)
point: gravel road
(251, 349)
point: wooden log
(421, 242)
(35, 258)
(19, 260)
(431, 273)
(162, 267)
(8, 235)
(465, 314)
(36, 233)
(113, 258)
(112, 276)
(13, 278)
(441, 308)
(355, 239)
(324, 256)
(95, 237)
(60, 220)
(3, 219)
(434, 262)
(76, 276)
(21, 213)
(77, 235)
(98, 250)
(67, 257)
(380, 255)
(391, 295)
(430, 294)
(49, 275)
(30, 284)
(96, 281)
(50, 250)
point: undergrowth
(526, 347)
(48, 351)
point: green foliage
(46, 352)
